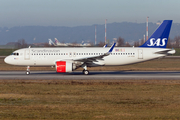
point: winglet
(112, 47)
(105, 46)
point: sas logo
(157, 42)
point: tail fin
(56, 41)
(159, 38)
(51, 42)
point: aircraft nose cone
(7, 60)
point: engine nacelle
(63, 66)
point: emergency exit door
(140, 54)
(27, 54)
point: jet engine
(64, 66)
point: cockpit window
(16, 54)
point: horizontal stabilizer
(166, 51)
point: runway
(93, 75)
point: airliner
(57, 43)
(71, 58)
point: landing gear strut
(28, 70)
(85, 71)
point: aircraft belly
(120, 60)
(38, 61)
(124, 60)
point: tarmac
(93, 75)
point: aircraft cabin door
(27, 55)
(140, 54)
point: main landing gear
(28, 70)
(85, 71)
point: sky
(85, 12)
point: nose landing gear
(28, 70)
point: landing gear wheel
(86, 72)
(27, 72)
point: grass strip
(92, 99)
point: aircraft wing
(95, 58)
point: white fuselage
(49, 56)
